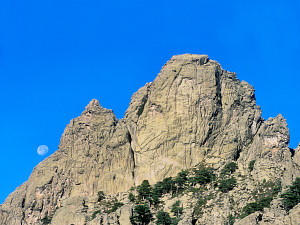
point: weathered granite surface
(193, 112)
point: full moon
(42, 149)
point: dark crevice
(133, 160)
(292, 151)
(132, 154)
(194, 221)
(259, 217)
(142, 106)
(203, 61)
(260, 122)
(129, 137)
(218, 84)
(41, 209)
(50, 181)
(208, 135)
(23, 217)
(23, 202)
(237, 154)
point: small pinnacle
(94, 102)
(94, 105)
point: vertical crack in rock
(142, 106)
(23, 203)
(132, 155)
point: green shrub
(277, 188)
(230, 220)
(228, 169)
(132, 188)
(251, 165)
(291, 197)
(249, 208)
(131, 197)
(168, 185)
(165, 186)
(141, 215)
(144, 190)
(180, 180)
(155, 197)
(158, 189)
(101, 196)
(264, 194)
(202, 175)
(256, 206)
(176, 209)
(157, 192)
(46, 220)
(163, 218)
(116, 206)
(200, 204)
(227, 184)
(264, 203)
(95, 214)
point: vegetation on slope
(204, 183)
(292, 196)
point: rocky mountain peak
(190, 58)
(193, 114)
(94, 105)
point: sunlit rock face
(193, 112)
(99, 155)
(94, 154)
(193, 109)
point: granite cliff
(193, 114)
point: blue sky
(55, 56)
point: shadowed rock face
(193, 112)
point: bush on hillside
(291, 197)
(251, 165)
(163, 218)
(176, 209)
(229, 169)
(141, 215)
(227, 184)
(144, 190)
(202, 176)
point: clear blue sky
(55, 56)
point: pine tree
(141, 215)
(144, 189)
(163, 218)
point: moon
(42, 149)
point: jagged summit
(193, 113)
(202, 59)
(93, 105)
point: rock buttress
(193, 109)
